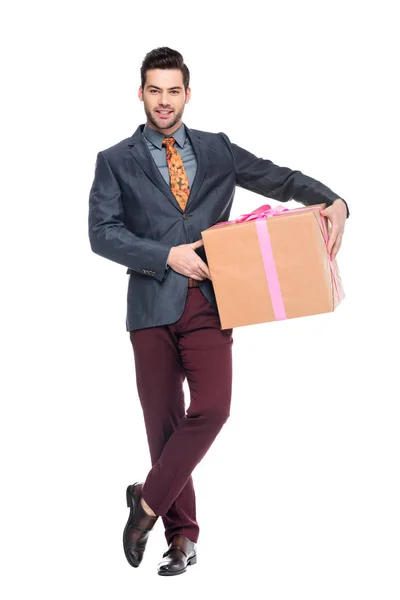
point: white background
(299, 495)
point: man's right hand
(183, 259)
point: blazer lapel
(140, 152)
(200, 151)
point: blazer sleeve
(280, 183)
(108, 234)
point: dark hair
(164, 58)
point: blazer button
(185, 216)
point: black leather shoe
(139, 525)
(181, 553)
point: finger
(336, 247)
(197, 244)
(332, 238)
(195, 276)
(203, 269)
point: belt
(192, 282)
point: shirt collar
(156, 137)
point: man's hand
(183, 259)
(336, 214)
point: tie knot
(168, 141)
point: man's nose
(163, 100)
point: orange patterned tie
(178, 179)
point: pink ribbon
(261, 214)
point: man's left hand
(336, 214)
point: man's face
(164, 90)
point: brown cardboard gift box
(272, 264)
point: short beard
(175, 120)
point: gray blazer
(134, 218)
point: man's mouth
(164, 113)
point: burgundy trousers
(193, 348)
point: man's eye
(172, 91)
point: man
(152, 195)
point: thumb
(197, 244)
